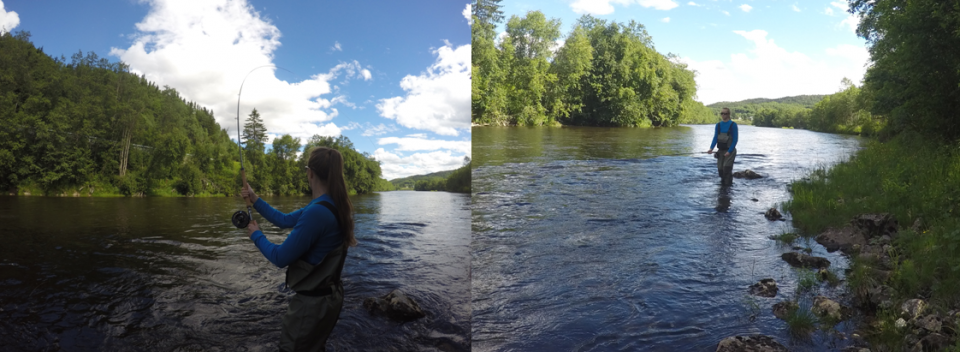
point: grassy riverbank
(918, 181)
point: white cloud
(828, 11)
(8, 20)
(746, 8)
(763, 70)
(693, 4)
(795, 8)
(604, 7)
(351, 126)
(467, 13)
(205, 49)
(397, 165)
(851, 21)
(437, 100)
(658, 4)
(378, 129)
(725, 12)
(665, 20)
(419, 143)
(336, 47)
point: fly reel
(240, 219)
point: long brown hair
(327, 164)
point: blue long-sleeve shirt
(726, 127)
(315, 233)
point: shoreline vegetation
(455, 181)
(905, 282)
(89, 127)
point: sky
(740, 49)
(393, 77)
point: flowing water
(600, 239)
(172, 274)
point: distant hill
(410, 181)
(807, 101)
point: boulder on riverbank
(756, 343)
(824, 307)
(863, 229)
(800, 260)
(764, 288)
(747, 174)
(876, 225)
(844, 239)
(395, 305)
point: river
(622, 239)
(172, 274)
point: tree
(286, 147)
(914, 78)
(253, 130)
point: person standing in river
(313, 253)
(725, 139)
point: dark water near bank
(593, 239)
(172, 274)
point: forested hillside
(91, 127)
(842, 112)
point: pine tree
(254, 131)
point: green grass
(807, 280)
(801, 322)
(830, 276)
(909, 177)
(786, 238)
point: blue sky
(740, 49)
(392, 76)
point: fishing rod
(241, 219)
(682, 154)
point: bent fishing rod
(241, 219)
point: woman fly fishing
(313, 253)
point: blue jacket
(726, 127)
(315, 233)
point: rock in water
(773, 214)
(826, 308)
(764, 288)
(805, 261)
(756, 343)
(395, 305)
(843, 239)
(747, 174)
(782, 310)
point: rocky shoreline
(868, 240)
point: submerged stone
(756, 343)
(764, 288)
(801, 260)
(395, 305)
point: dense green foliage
(92, 126)
(604, 74)
(915, 49)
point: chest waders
(315, 309)
(725, 163)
